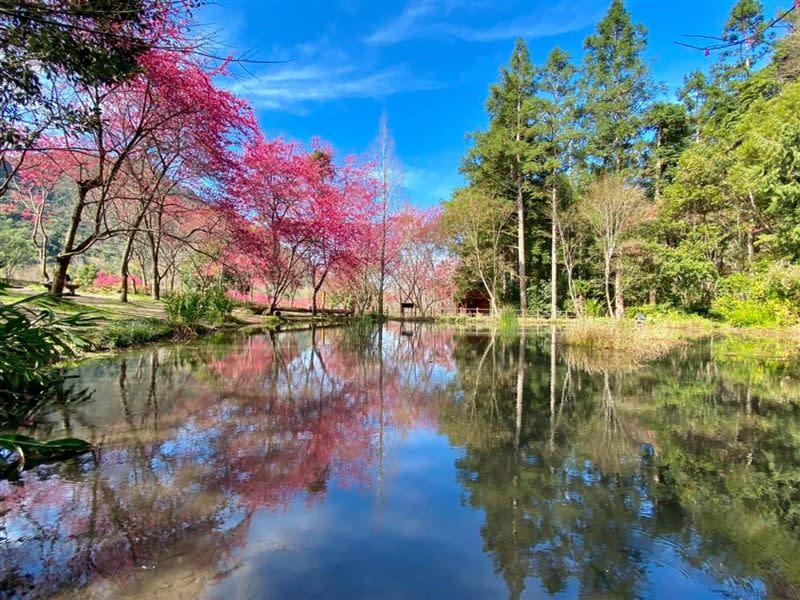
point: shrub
(221, 304)
(86, 274)
(189, 309)
(134, 331)
(594, 308)
(33, 338)
(758, 299)
(664, 313)
(754, 313)
(110, 281)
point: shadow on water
(318, 463)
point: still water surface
(416, 462)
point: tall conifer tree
(618, 90)
(501, 157)
(555, 136)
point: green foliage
(670, 125)
(92, 42)
(28, 451)
(86, 274)
(618, 89)
(507, 321)
(15, 248)
(539, 298)
(192, 308)
(594, 308)
(220, 304)
(32, 337)
(754, 300)
(666, 314)
(120, 334)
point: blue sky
(427, 63)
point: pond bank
(648, 341)
(142, 321)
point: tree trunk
(155, 289)
(41, 247)
(523, 280)
(383, 254)
(553, 376)
(124, 267)
(314, 289)
(553, 256)
(520, 388)
(60, 275)
(43, 261)
(659, 168)
(607, 283)
(619, 300)
(63, 259)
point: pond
(415, 461)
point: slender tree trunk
(314, 289)
(124, 270)
(43, 261)
(520, 388)
(317, 285)
(659, 168)
(383, 254)
(552, 382)
(619, 300)
(41, 247)
(155, 289)
(553, 255)
(607, 283)
(523, 280)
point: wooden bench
(70, 286)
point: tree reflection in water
(591, 476)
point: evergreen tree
(555, 135)
(501, 157)
(749, 40)
(618, 90)
(670, 126)
(693, 95)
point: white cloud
(432, 19)
(292, 85)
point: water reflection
(414, 460)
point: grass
(507, 321)
(132, 332)
(639, 344)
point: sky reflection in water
(415, 462)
